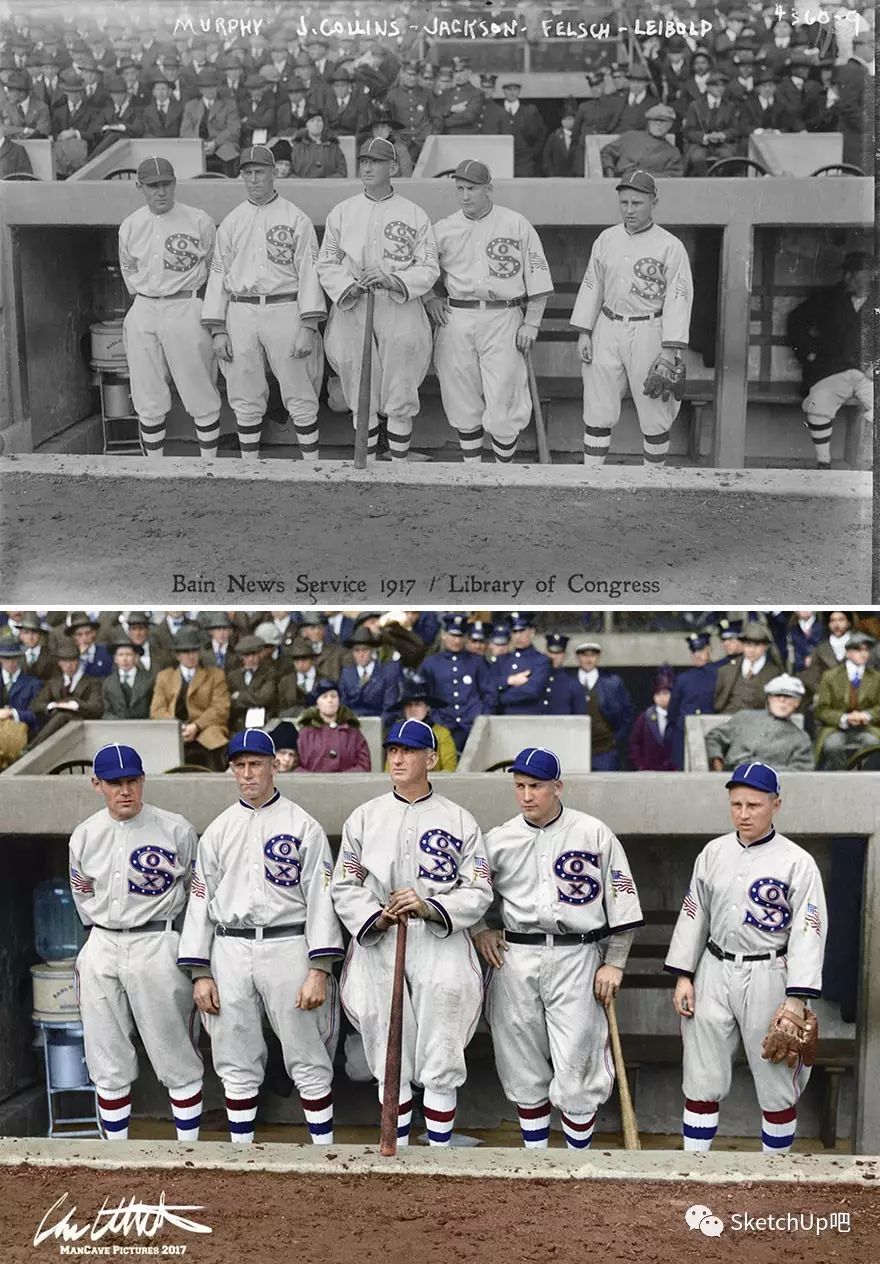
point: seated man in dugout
(766, 737)
(848, 706)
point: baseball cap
(111, 763)
(413, 734)
(788, 686)
(380, 149)
(472, 171)
(154, 170)
(257, 156)
(537, 761)
(756, 777)
(251, 742)
(660, 111)
(641, 181)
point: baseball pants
(401, 356)
(127, 980)
(623, 352)
(549, 1032)
(484, 384)
(165, 339)
(825, 400)
(260, 333)
(441, 1004)
(262, 976)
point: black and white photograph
(343, 303)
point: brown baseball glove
(665, 377)
(783, 1046)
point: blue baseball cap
(413, 734)
(537, 761)
(251, 742)
(756, 777)
(114, 762)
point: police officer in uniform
(692, 694)
(563, 695)
(409, 102)
(609, 707)
(461, 106)
(476, 637)
(520, 678)
(459, 677)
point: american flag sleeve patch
(197, 887)
(352, 866)
(622, 883)
(81, 884)
(813, 918)
(482, 870)
(690, 905)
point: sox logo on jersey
(181, 252)
(281, 245)
(283, 867)
(501, 252)
(771, 896)
(446, 851)
(149, 862)
(402, 236)
(579, 886)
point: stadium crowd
(316, 675)
(88, 81)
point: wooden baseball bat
(362, 421)
(627, 1112)
(544, 456)
(391, 1091)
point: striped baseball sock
(820, 432)
(399, 436)
(208, 435)
(186, 1107)
(700, 1124)
(114, 1107)
(503, 452)
(319, 1116)
(597, 442)
(471, 444)
(439, 1112)
(578, 1130)
(372, 439)
(249, 438)
(655, 448)
(777, 1130)
(404, 1114)
(534, 1124)
(153, 436)
(241, 1112)
(307, 436)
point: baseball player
(379, 241)
(497, 283)
(414, 854)
(263, 303)
(633, 311)
(565, 888)
(130, 867)
(750, 938)
(165, 253)
(261, 936)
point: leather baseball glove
(783, 1046)
(665, 377)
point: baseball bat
(362, 420)
(627, 1112)
(540, 429)
(391, 1091)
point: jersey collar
(646, 229)
(758, 841)
(411, 803)
(547, 824)
(475, 219)
(250, 807)
(381, 199)
(268, 201)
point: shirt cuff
(440, 926)
(685, 974)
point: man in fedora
(68, 695)
(739, 684)
(163, 117)
(218, 652)
(253, 686)
(351, 108)
(213, 118)
(121, 119)
(25, 116)
(367, 686)
(258, 117)
(296, 688)
(329, 659)
(198, 697)
(847, 706)
(38, 660)
(128, 690)
(96, 659)
(154, 656)
(18, 722)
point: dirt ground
(258, 1217)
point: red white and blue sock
(186, 1107)
(404, 1114)
(439, 1112)
(114, 1107)
(241, 1113)
(534, 1124)
(777, 1130)
(319, 1116)
(700, 1124)
(578, 1130)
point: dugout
(755, 246)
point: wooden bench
(857, 443)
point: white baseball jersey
(269, 249)
(638, 274)
(126, 873)
(499, 256)
(161, 254)
(393, 233)
(751, 900)
(268, 866)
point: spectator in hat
(329, 738)
(163, 117)
(672, 68)
(258, 118)
(805, 632)
(561, 156)
(640, 97)
(693, 693)
(296, 687)
(648, 149)
(598, 114)
(375, 70)
(524, 123)
(418, 703)
(281, 152)
(253, 686)
(285, 739)
(743, 71)
(18, 691)
(232, 77)
(280, 58)
(154, 656)
(384, 124)
(460, 104)
(830, 651)
(293, 109)
(44, 75)
(351, 107)
(367, 686)
(13, 157)
(695, 86)
(723, 43)
(710, 129)
(563, 695)
(518, 679)
(213, 118)
(796, 88)
(136, 84)
(730, 634)
(96, 659)
(609, 707)
(649, 747)
(317, 49)
(25, 116)
(777, 45)
(120, 120)
(847, 708)
(768, 737)
(198, 698)
(409, 101)
(822, 108)
(493, 117)
(395, 632)
(319, 93)
(832, 335)
(740, 683)
(38, 661)
(128, 690)
(315, 153)
(68, 695)
(328, 655)
(93, 78)
(762, 111)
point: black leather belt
(486, 303)
(159, 924)
(263, 299)
(606, 311)
(735, 956)
(521, 937)
(260, 932)
(179, 294)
